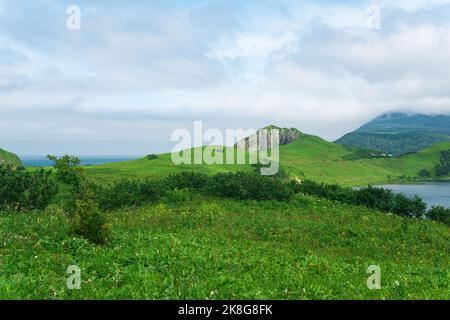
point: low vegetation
(224, 236)
(443, 168)
(308, 157)
(206, 248)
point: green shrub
(425, 173)
(128, 193)
(152, 157)
(186, 179)
(25, 190)
(89, 222)
(439, 214)
(179, 195)
(68, 170)
(407, 207)
(248, 186)
(371, 197)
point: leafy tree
(440, 214)
(425, 173)
(68, 169)
(79, 199)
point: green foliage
(371, 197)
(440, 214)
(248, 186)
(179, 188)
(23, 190)
(443, 168)
(128, 193)
(308, 248)
(68, 170)
(89, 222)
(359, 153)
(178, 195)
(79, 200)
(395, 144)
(152, 157)
(425, 173)
(400, 133)
(186, 179)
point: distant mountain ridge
(398, 133)
(9, 158)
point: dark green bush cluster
(128, 193)
(248, 186)
(23, 190)
(440, 214)
(179, 187)
(443, 168)
(425, 173)
(152, 157)
(375, 198)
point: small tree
(424, 173)
(79, 200)
(68, 170)
(89, 222)
(440, 214)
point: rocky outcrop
(286, 136)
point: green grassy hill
(398, 133)
(9, 158)
(223, 249)
(308, 157)
(323, 161)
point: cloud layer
(133, 73)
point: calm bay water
(433, 193)
(42, 161)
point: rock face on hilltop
(9, 158)
(286, 136)
(398, 133)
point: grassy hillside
(399, 133)
(224, 249)
(309, 157)
(10, 158)
(323, 161)
(158, 168)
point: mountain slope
(308, 157)
(400, 133)
(9, 158)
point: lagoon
(433, 193)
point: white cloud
(311, 65)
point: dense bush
(68, 170)
(186, 179)
(23, 190)
(375, 198)
(89, 222)
(178, 195)
(425, 173)
(152, 157)
(79, 200)
(128, 193)
(248, 186)
(443, 168)
(440, 214)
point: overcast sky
(136, 71)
